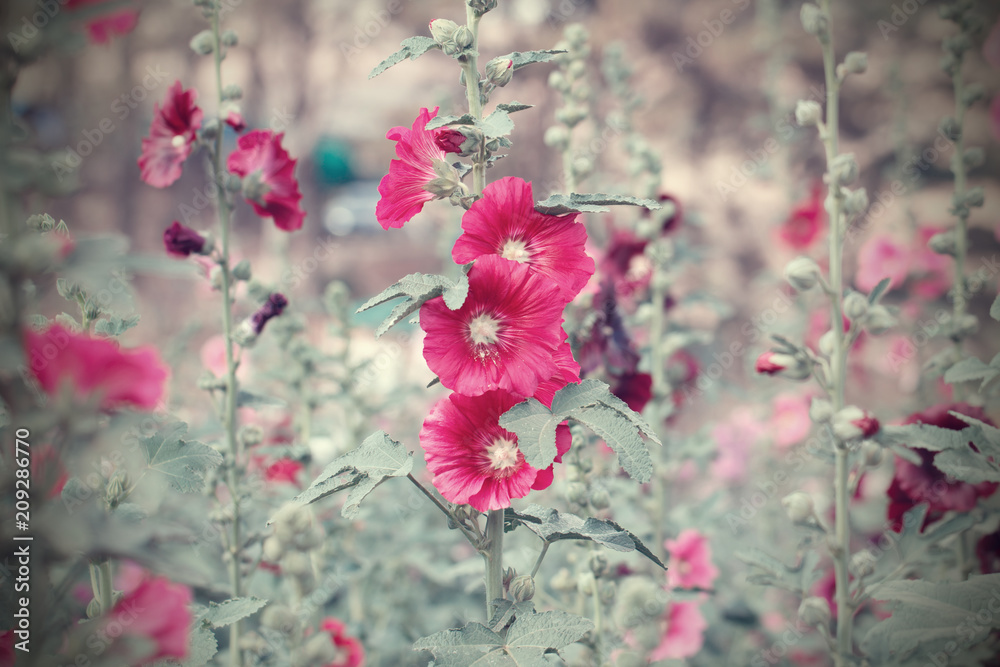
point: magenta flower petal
(171, 135)
(473, 459)
(505, 335)
(806, 221)
(402, 189)
(260, 152)
(158, 610)
(504, 222)
(690, 563)
(684, 634)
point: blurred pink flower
(350, 653)
(881, 257)
(790, 422)
(690, 563)
(113, 24)
(806, 221)
(505, 223)
(134, 377)
(568, 373)
(735, 439)
(171, 137)
(156, 610)
(276, 470)
(684, 633)
(636, 389)
(213, 355)
(260, 155)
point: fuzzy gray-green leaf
(416, 289)
(589, 203)
(183, 463)
(523, 58)
(228, 612)
(413, 48)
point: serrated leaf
(531, 635)
(969, 369)
(925, 436)
(523, 58)
(511, 107)
(455, 295)
(770, 571)
(927, 616)
(551, 526)
(413, 48)
(226, 613)
(468, 644)
(879, 290)
(416, 289)
(203, 648)
(591, 403)
(966, 465)
(995, 309)
(183, 463)
(498, 124)
(115, 326)
(443, 121)
(560, 204)
(377, 459)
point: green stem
(661, 389)
(494, 560)
(538, 561)
(473, 94)
(465, 531)
(105, 579)
(232, 387)
(962, 219)
(841, 548)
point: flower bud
(500, 71)
(852, 423)
(93, 609)
(508, 576)
(855, 306)
(974, 198)
(808, 113)
(232, 92)
(963, 327)
(522, 588)
(480, 7)
(598, 563)
(181, 241)
(950, 128)
(273, 549)
(786, 365)
(813, 20)
(600, 499)
(442, 30)
(463, 37)
(879, 320)
(872, 453)
(582, 167)
(215, 277)
(585, 583)
(814, 611)
(557, 137)
(856, 62)
(802, 273)
(563, 581)
(273, 307)
(855, 201)
(974, 157)
(279, 617)
(242, 270)
(251, 435)
(943, 243)
(828, 343)
(820, 410)
(296, 564)
(557, 81)
(863, 563)
(229, 38)
(844, 169)
(576, 493)
(203, 43)
(571, 115)
(957, 44)
(799, 507)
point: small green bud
(856, 62)
(233, 183)
(443, 30)
(802, 273)
(844, 169)
(203, 43)
(557, 137)
(814, 612)
(872, 454)
(522, 588)
(251, 435)
(480, 7)
(813, 20)
(974, 157)
(855, 201)
(855, 306)
(973, 93)
(600, 499)
(94, 608)
(863, 563)
(557, 81)
(799, 507)
(576, 493)
(463, 37)
(975, 197)
(879, 320)
(820, 410)
(598, 563)
(508, 576)
(209, 129)
(808, 113)
(229, 38)
(957, 45)
(232, 92)
(950, 128)
(500, 71)
(242, 270)
(943, 243)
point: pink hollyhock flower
(157, 611)
(853, 422)
(684, 632)
(269, 178)
(402, 189)
(881, 257)
(735, 440)
(234, 119)
(790, 421)
(675, 220)
(134, 377)
(504, 336)
(915, 484)
(278, 471)
(806, 221)
(171, 135)
(474, 461)
(181, 241)
(568, 373)
(103, 28)
(504, 222)
(350, 653)
(690, 563)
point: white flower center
(502, 453)
(516, 250)
(483, 329)
(178, 141)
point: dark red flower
(269, 178)
(604, 342)
(915, 484)
(636, 389)
(625, 263)
(113, 24)
(273, 307)
(171, 136)
(234, 119)
(449, 140)
(181, 241)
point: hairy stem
(961, 221)
(473, 94)
(105, 579)
(494, 560)
(841, 551)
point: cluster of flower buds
(795, 366)
(853, 423)
(297, 536)
(454, 39)
(581, 490)
(570, 80)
